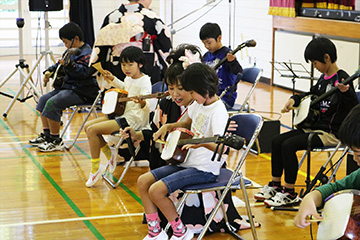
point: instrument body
(58, 77)
(305, 115)
(341, 216)
(115, 99)
(111, 105)
(179, 137)
(172, 151)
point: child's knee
(157, 191)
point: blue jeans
(176, 177)
(53, 103)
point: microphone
(71, 51)
(250, 43)
(172, 31)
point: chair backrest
(249, 125)
(159, 87)
(251, 75)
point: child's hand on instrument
(108, 76)
(307, 207)
(230, 57)
(343, 88)
(125, 132)
(46, 79)
(161, 133)
(188, 146)
(137, 99)
(288, 106)
(232, 126)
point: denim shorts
(53, 103)
(176, 177)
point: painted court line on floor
(72, 219)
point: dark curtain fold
(81, 13)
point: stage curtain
(341, 4)
(282, 8)
(81, 13)
(329, 4)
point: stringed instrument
(305, 115)
(115, 100)
(341, 216)
(58, 75)
(179, 137)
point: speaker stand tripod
(18, 67)
(28, 79)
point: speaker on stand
(41, 6)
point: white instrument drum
(341, 216)
(111, 105)
(172, 151)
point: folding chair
(320, 176)
(159, 87)
(251, 75)
(109, 178)
(249, 126)
(92, 109)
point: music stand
(28, 77)
(292, 70)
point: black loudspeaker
(45, 5)
(351, 165)
(270, 129)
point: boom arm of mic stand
(241, 46)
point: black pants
(283, 153)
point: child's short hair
(210, 30)
(349, 133)
(318, 47)
(173, 72)
(200, 78)
(132, 54)
(70, 31)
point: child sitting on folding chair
(332, 111)
(207, 117)
(78, 87)
(136, 112)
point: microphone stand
(249, 43)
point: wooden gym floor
(43, 195)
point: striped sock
(95, 162)
(179, 229)
(153, 222)
(107, 151)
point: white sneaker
(282, 199)
(187, 236)
(267, 192)
(93, 178)
(161, 236)
(54, 145)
